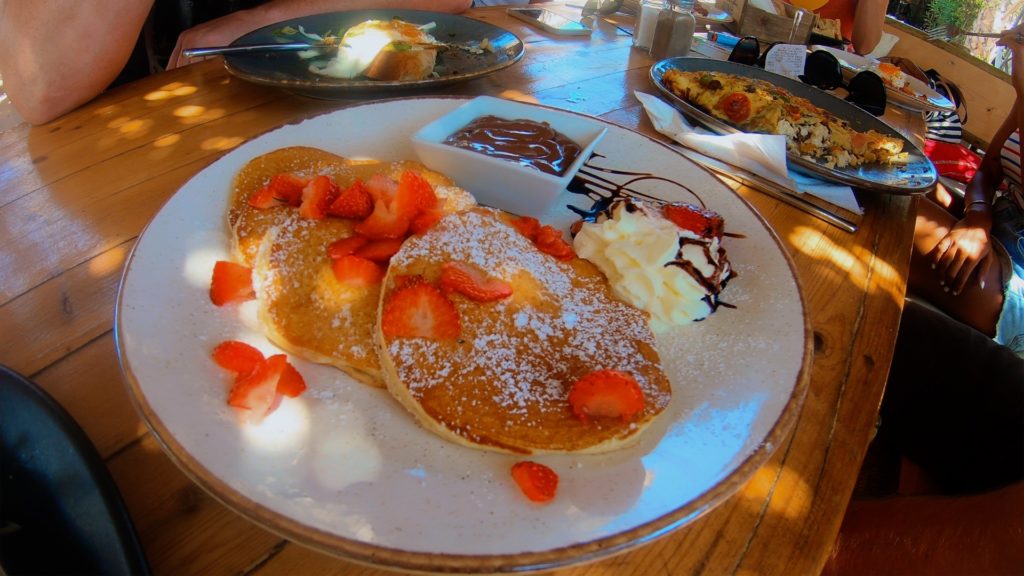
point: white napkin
(760, 154)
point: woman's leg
(981, 300)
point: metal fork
(947, 31)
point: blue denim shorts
(1008, 229)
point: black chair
(60, 511)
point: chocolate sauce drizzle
(604, 192)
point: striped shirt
(1009, 158)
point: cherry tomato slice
(736, 106)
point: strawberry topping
(606, 394)
(317, 197)
(387, 220)
(282, 189)
(237, 356)
(291, 383)
(472, 282)
(420, 310)
(345, 246)
(538, 482)
(550, 241)
(527, 226)
(414, 193)
(425, 220)
(704, 223)
(354, 202)
(231, 283)
(357, 271)
(380, 250)
(257, 390)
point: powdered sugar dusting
(519, 356)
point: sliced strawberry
(282, 189)
(231, 283)
(425, 220)
(386, 221)
(345, 246)
(472, 282)
(263, 198)
(237, 356)
(317, 197)
(538, 482)
(380, 250)
(291, 383)
(606, 394)
(420, 310)
(381, 187)
(257, 390)
(550, 241)
(527, 226)
(288, 188)
(702, 222)
(354, 202)
(415, 193)
(356, 271)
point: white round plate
(343, 468)
(931, 101)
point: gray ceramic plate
(916, 176)
(288, 71)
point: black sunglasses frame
(821, 70)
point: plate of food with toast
(375, 51)
(352, 348)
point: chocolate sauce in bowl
(526, 142)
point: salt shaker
(673, 33)
(646, 19)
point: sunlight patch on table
(166, 140)
(790, 495)
(107, 263)
(219, 143)
(189, 111)
(856, 269)
(519, 96)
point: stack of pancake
(502, 381)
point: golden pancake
(503, 383)
(248, 224)
(303, 308)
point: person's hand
(963, 250)
(218, 32)
(1014, 40)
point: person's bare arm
(58, 54)
(867, 25)
(226, 29)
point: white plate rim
(391, 558)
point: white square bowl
(502, 183)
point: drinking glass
(803, 8)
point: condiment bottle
(646, 19)
(673, 34)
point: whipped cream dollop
(673, 273)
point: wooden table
(76, 193)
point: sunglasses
(821, 70)
(866, 89)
